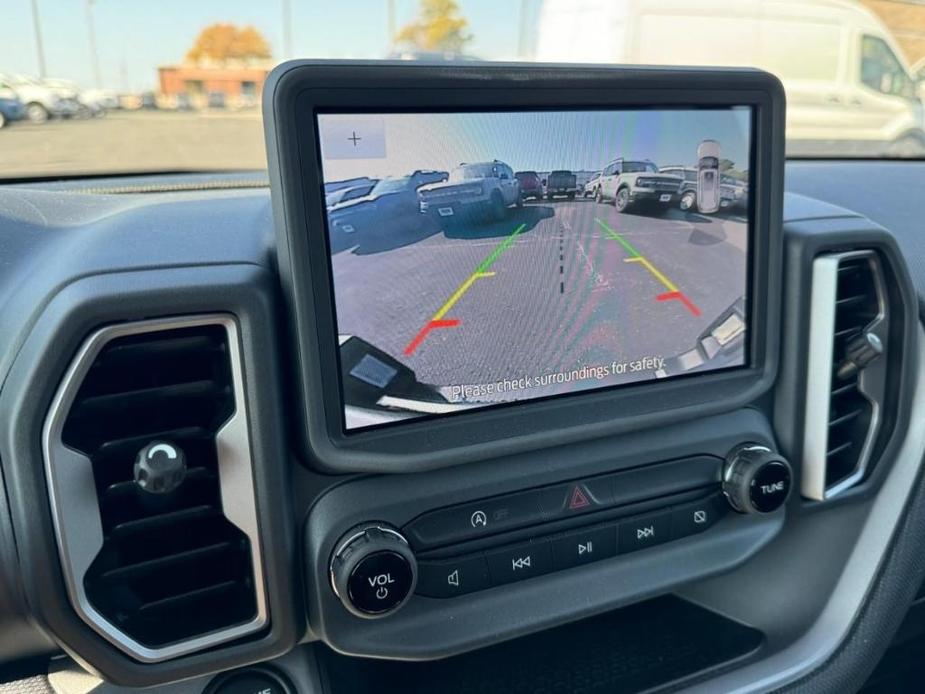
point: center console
(500, 298)
(504, 539)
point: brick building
(241, 84)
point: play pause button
(583, 547)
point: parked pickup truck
(485, 190)
(531, 186)
(561, 184)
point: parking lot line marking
(682, 298)
(431, 325)
(616, 237)
(669, 285)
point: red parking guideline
(419, 338)
(668, 296)
(481, 272)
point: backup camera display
(487, 258)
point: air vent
(158, 574)
(849, 316)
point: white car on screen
(485, 190)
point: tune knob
(756, 479)
(373, 570)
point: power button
(373, 570)
(380, 582)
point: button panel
(527, 509)
(446, 578)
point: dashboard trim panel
(71, 486)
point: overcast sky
(396, 144)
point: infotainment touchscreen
(483, 258)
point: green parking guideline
(503, 246)
(616, 237)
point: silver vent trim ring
(819, 372)
(74, 503)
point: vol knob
(756, 479)
(373, 570)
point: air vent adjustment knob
(756, 479)
(373, 570)
(160, 467)
(860, 352)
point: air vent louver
(172, 567)
(850, 412)
(849, 302)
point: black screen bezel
(296, 91)
(748, 288)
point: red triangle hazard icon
(578, 499)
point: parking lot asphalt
(134, 141)
(555, 287)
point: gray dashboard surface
(53, 234)
(886, 192)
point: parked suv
(11, 107)
(42, 100)
(561, 184)
(530, 185)
(629, 183)
(389, 203)
(592, 185)
(731, 191)
(482, 190)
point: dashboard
(500, 432)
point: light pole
(91, 36)
(522, 32)
(37, 27)
(390, 10)
(287, 29)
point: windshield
(391, 185)
(126, 87)
(474, 171)
(639, 167)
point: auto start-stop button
(251, 681)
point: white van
(849, 90)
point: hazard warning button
(577, 497)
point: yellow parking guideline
(669, 285)
(457, 295)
